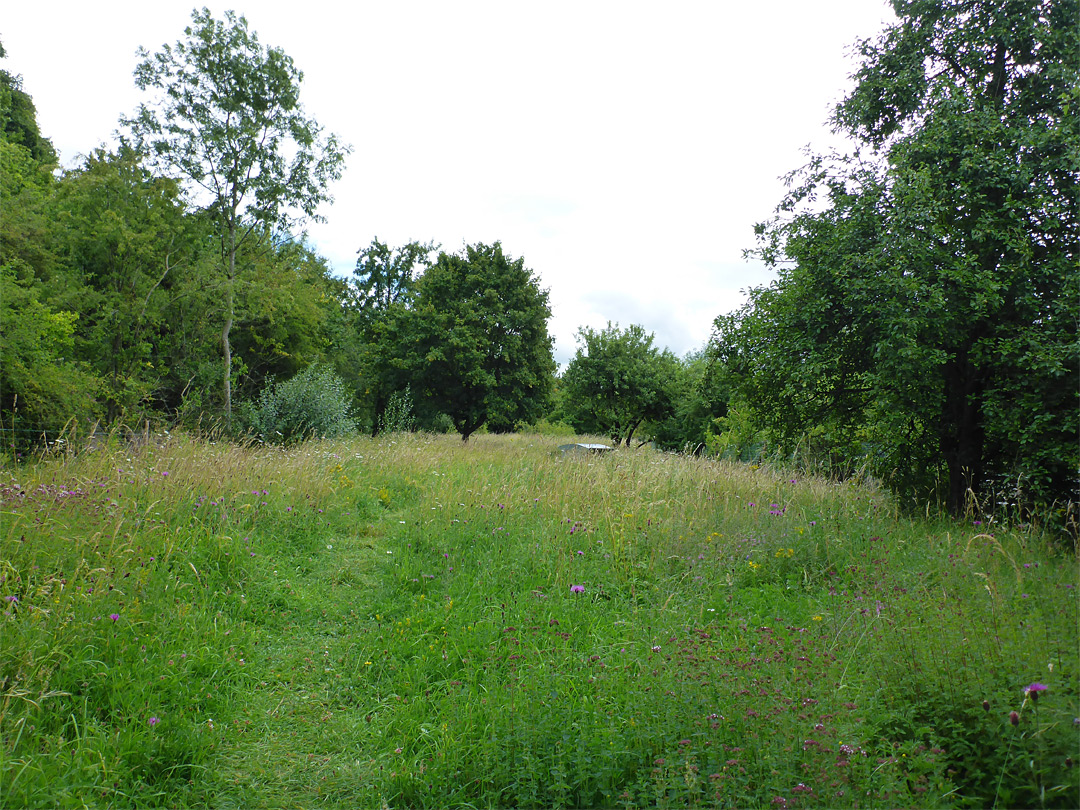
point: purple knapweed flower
(14, 599)
(577, 589)
(114, 616)
(154, 721)
(1033, 690)
(1014, 718)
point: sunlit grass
(415, 621)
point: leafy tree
(617, 380)
(475, 342)
(384, 279)
(26, 190)
(41, 387)
(227, 120)
(700, 395)
(121, 233)
(18, 118)
(386, 276)
(283, 309)
(924, 313)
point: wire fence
(23, 440)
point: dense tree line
(922, 325)
(168, 277)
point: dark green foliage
(314, 403)
(474, 344)
(385, 279)
(284, 305)
(618, 380)
(18, 119)
(122, 233)
(924, 320)
(700, 394)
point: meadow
(411, 621)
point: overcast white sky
(624, 149)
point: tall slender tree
(226, 119)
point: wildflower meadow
(411, 621)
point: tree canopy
(924, 311)
(617, 380)
(386, 276)
(474, 343)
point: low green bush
(314, 403)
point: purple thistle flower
(1014, 718)
(154, 721)
(577, 589)
(114, 616)
(1033, 690)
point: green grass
(395, 622)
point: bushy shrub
(312, 403)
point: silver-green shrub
(311, 404)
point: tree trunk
(226, 346)
(962, 435)
(378, 410)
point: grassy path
(306, 727)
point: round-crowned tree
(473, 344)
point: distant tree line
(922, 326)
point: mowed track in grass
(419, 622)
